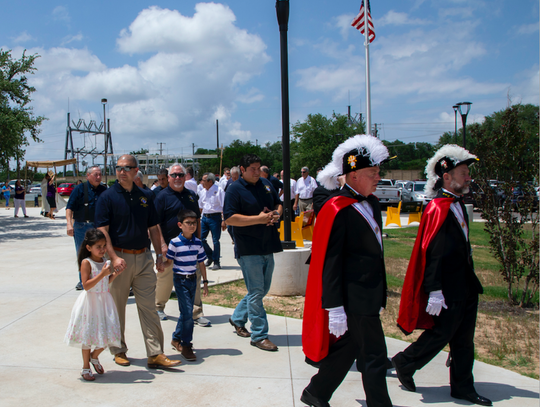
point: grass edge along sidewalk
(506, 336)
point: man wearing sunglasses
(174, 198)
(127, 216)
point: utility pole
(193, 148)
(161, 148)
(217, 134)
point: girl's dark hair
(91, 237)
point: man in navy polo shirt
(81, 208)
(252, 206)
(169, 202)
(126, 215)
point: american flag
(358, 22)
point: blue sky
(170, 69)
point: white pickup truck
(387, 193)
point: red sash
(315, 334)
(412, 308)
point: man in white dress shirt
(293, 193)
(305, 185)
(190, 182)
(211, 199)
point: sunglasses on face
(126, 168)
(177, 175)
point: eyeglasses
(303, 171)
(177, 175)
(189, 223)
(126, 168)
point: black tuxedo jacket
(449, 263)
(354, 273)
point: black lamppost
(455, 107)
(464, 118)
(282, 10)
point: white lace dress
(94, 319)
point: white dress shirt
(191, 184)
(211, 200)
(305, 187)
(293, 190)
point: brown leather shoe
(155, 362)
(121, 359)
(265, 344)
(188, 354)
(176, 345)
(240, 330)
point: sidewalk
(36, 298)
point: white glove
(337, 321)
(435, 303)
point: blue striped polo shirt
(185, 254)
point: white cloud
(23, 37)
(396, 18)
(343, 23)
(199, 67)
(70, 38)
(61, 13)
(528, 28)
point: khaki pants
(139, 274)
(305, 204)
(164, 288)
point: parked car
(387, 193)
(66, 188)
(413, 191)
(35, 188)
(524, 193)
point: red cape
(412, 308)
(315, 334)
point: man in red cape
(346, 286)
(440, 292)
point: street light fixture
(455, 107)
(464, 117)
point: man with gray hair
(305, 185)
(174, 198)
(81, 208)
(211, 199)
(277, 184)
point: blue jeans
(211, 224)
(7, 199)
(257, 271)
(185, 293)
(79, 230)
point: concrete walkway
(36, 296)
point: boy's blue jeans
(185, 293)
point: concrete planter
(290, 272)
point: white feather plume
(371, 146)
(452, 151)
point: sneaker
(216, 266)
(162, 315)
(79, 286)
(202, 321)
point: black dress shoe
(311, 400)
(208, 262)
(406, 380)
(474, 398)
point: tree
(412, 156)
(507, 146)
(16, 115)
(140, 151)
(318, 137)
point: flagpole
(368, 87)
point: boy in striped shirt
(186, 251)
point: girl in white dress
(94, 319)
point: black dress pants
(454, 326)
(365, 343)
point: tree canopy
(16, 115)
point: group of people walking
(346, 288)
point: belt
(188, 276)
(84, 221)
(209, 215)
(129, 251)
(305, 199)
